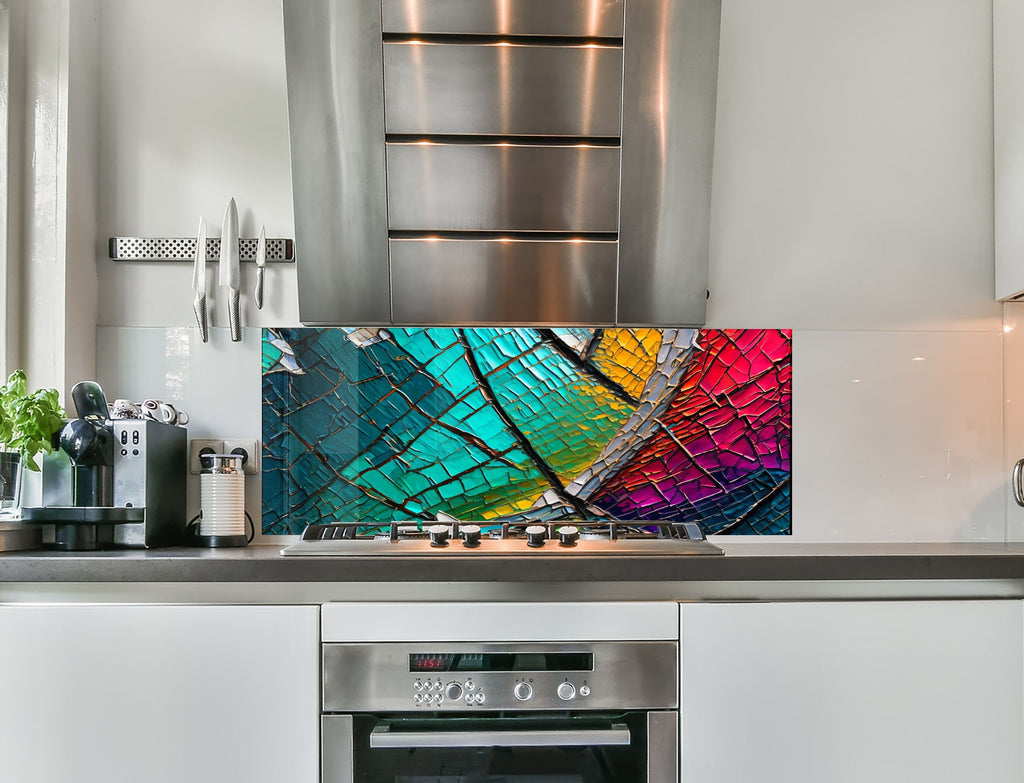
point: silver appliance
(457, 539)
(502, 161)
(143, 500)
(530, 712)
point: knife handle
(199, 306)
(234, 317)
(258, 293)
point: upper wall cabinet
(502, 161)
(1008, 103)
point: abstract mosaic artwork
(389, 424)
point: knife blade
(229, 272)
(261, 262)
(199, 282)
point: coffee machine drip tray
(89, 515)
(78, 528)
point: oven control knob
(568, 535)
(438, 535)
(535, 535)
(566, 691)
(453, 692)
(584, 690)
(522, 691)
(470, 535)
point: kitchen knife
(229, 274)
(261, 262)
(199, 281)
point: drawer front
(503, 281)
(597, 18)
(496, 187)
(502, 89)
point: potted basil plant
(28, 423)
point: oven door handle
(383, 737)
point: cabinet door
(1008, 120)
(909, 692)
(162, 694)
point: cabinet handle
(1018, 482)
(382, 737)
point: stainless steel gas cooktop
(480, 539)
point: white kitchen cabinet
(1008, 129)
(852, 692)
(161, 694)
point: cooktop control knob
(535, 535)
(470, 535)
(522, 691)
(568, 535)
(453, 692)
(438, 535)
(566, 691)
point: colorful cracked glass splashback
(487, 424)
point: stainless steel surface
(512, 281)
(261, 263)
(593, 18)
(221, 463)
(336, 749)
(491, 547)
(19, 536)
(376, 677)
(279, 251)
(335, 76)
(199, 282)
(668, 128)
(502, 187)
(472, 77)
(150, 464)
(663, 747)
(228, 268)
(502, 89)
(1018, 482)
(383, 737)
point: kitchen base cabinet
(159, 694)
(858, 692)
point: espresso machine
(117, 482)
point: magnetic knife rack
(279, 251)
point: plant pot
(11, 470)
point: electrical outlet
(249, 449)
(199, 446)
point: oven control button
(566, 691)
(417, 686)
(438, 698)
(522, 691)
(584, 690)
(469, 698)
(438, 535)
(470, 685)
(453, 691)
(535, 535)
(479, 697)
(417, 699)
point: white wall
(852, 203)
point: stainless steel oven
(518, 712)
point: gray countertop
(743, 562)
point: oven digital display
(502, 662)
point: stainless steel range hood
(502, 161)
